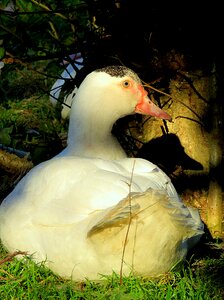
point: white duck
(91, 210)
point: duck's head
(117, 91)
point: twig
(194, 89)
(45, 7)
(190, 82)
(11, 32)
(129, 225)
(16, 12)
(193, 120)
(154, 89)
(10, 256)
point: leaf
(2, 52)
(5, 137)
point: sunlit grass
(23, 279)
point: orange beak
(146, 107)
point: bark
(215, 195)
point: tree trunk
(215, 195)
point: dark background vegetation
(138, 33)
(157, 39)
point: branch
(11, 32)
(190, 82)
(11, 256)
(129, 225)
(194, 89)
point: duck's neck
(90, 135)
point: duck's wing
(155, 212)
(117, 216)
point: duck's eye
(126, 83)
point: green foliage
(28, 120)
(31, 125)
(5, 137)
(2, 52)
(34, 35)
(36, 29)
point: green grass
(22, 279)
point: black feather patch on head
(119, 71)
